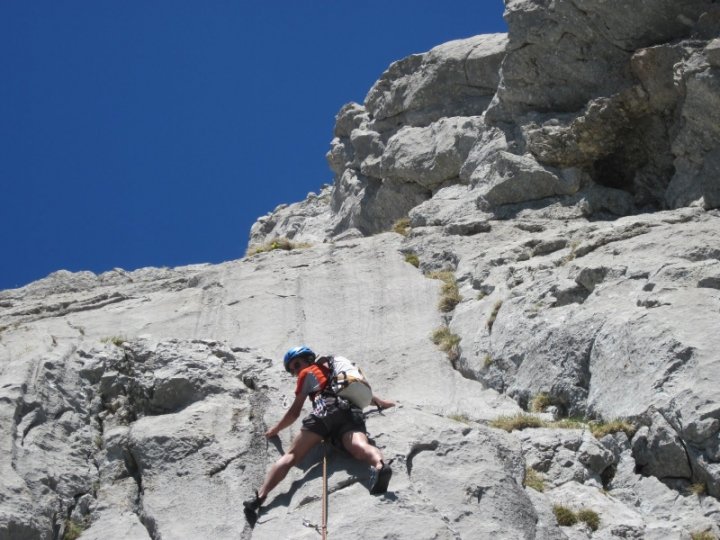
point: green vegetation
(73, 530)
(524, 420)
(564, 516)
(447, 342)
(459, 417)
(567, 518)
(571, 255)
(413, 259)
(275, 243)
(402, 226)
(493, 314)
(534, 480)
(568, 423)
(115, 340)
(518, 422)
(600, 429)
(590, 517)
(449, 293)
(703, 535)
(488, 361)
(541, 402)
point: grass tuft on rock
(447, 342)
(459, 417)
(534, 480)
(571, 254)
(567, 518)
(517, 422)
(402, 226)
(589, 517)
(276, 243)
(600, 429)
(73, 530)
(449, 293)
(522, 421)
(567, 423)
(541, 402)
(493, 314)
(703, 535)
(413, 259)
(115, 340)
(564, 516)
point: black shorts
(336, 423)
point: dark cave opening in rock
(639, 167)
(615, 172)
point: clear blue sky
(155, 132)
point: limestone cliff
(554, 270)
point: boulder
(454, 79)
(515, 179)
(305, 221)
(565, 455)
(428, 156)
(659, 452)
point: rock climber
(332, 418)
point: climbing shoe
(252, 508)
(379, 479)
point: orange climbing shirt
(312, 380)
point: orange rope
(324, 494)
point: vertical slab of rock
(561, 55)
(697, 145)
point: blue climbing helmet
(296, 352)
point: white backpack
(348, 381)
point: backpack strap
(329, 362)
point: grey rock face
(563, 54)
(600, 108)
(369, 205)
(696, 146)
(158, 436)
(424, 114)
(150, 435)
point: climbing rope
(323, 531)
